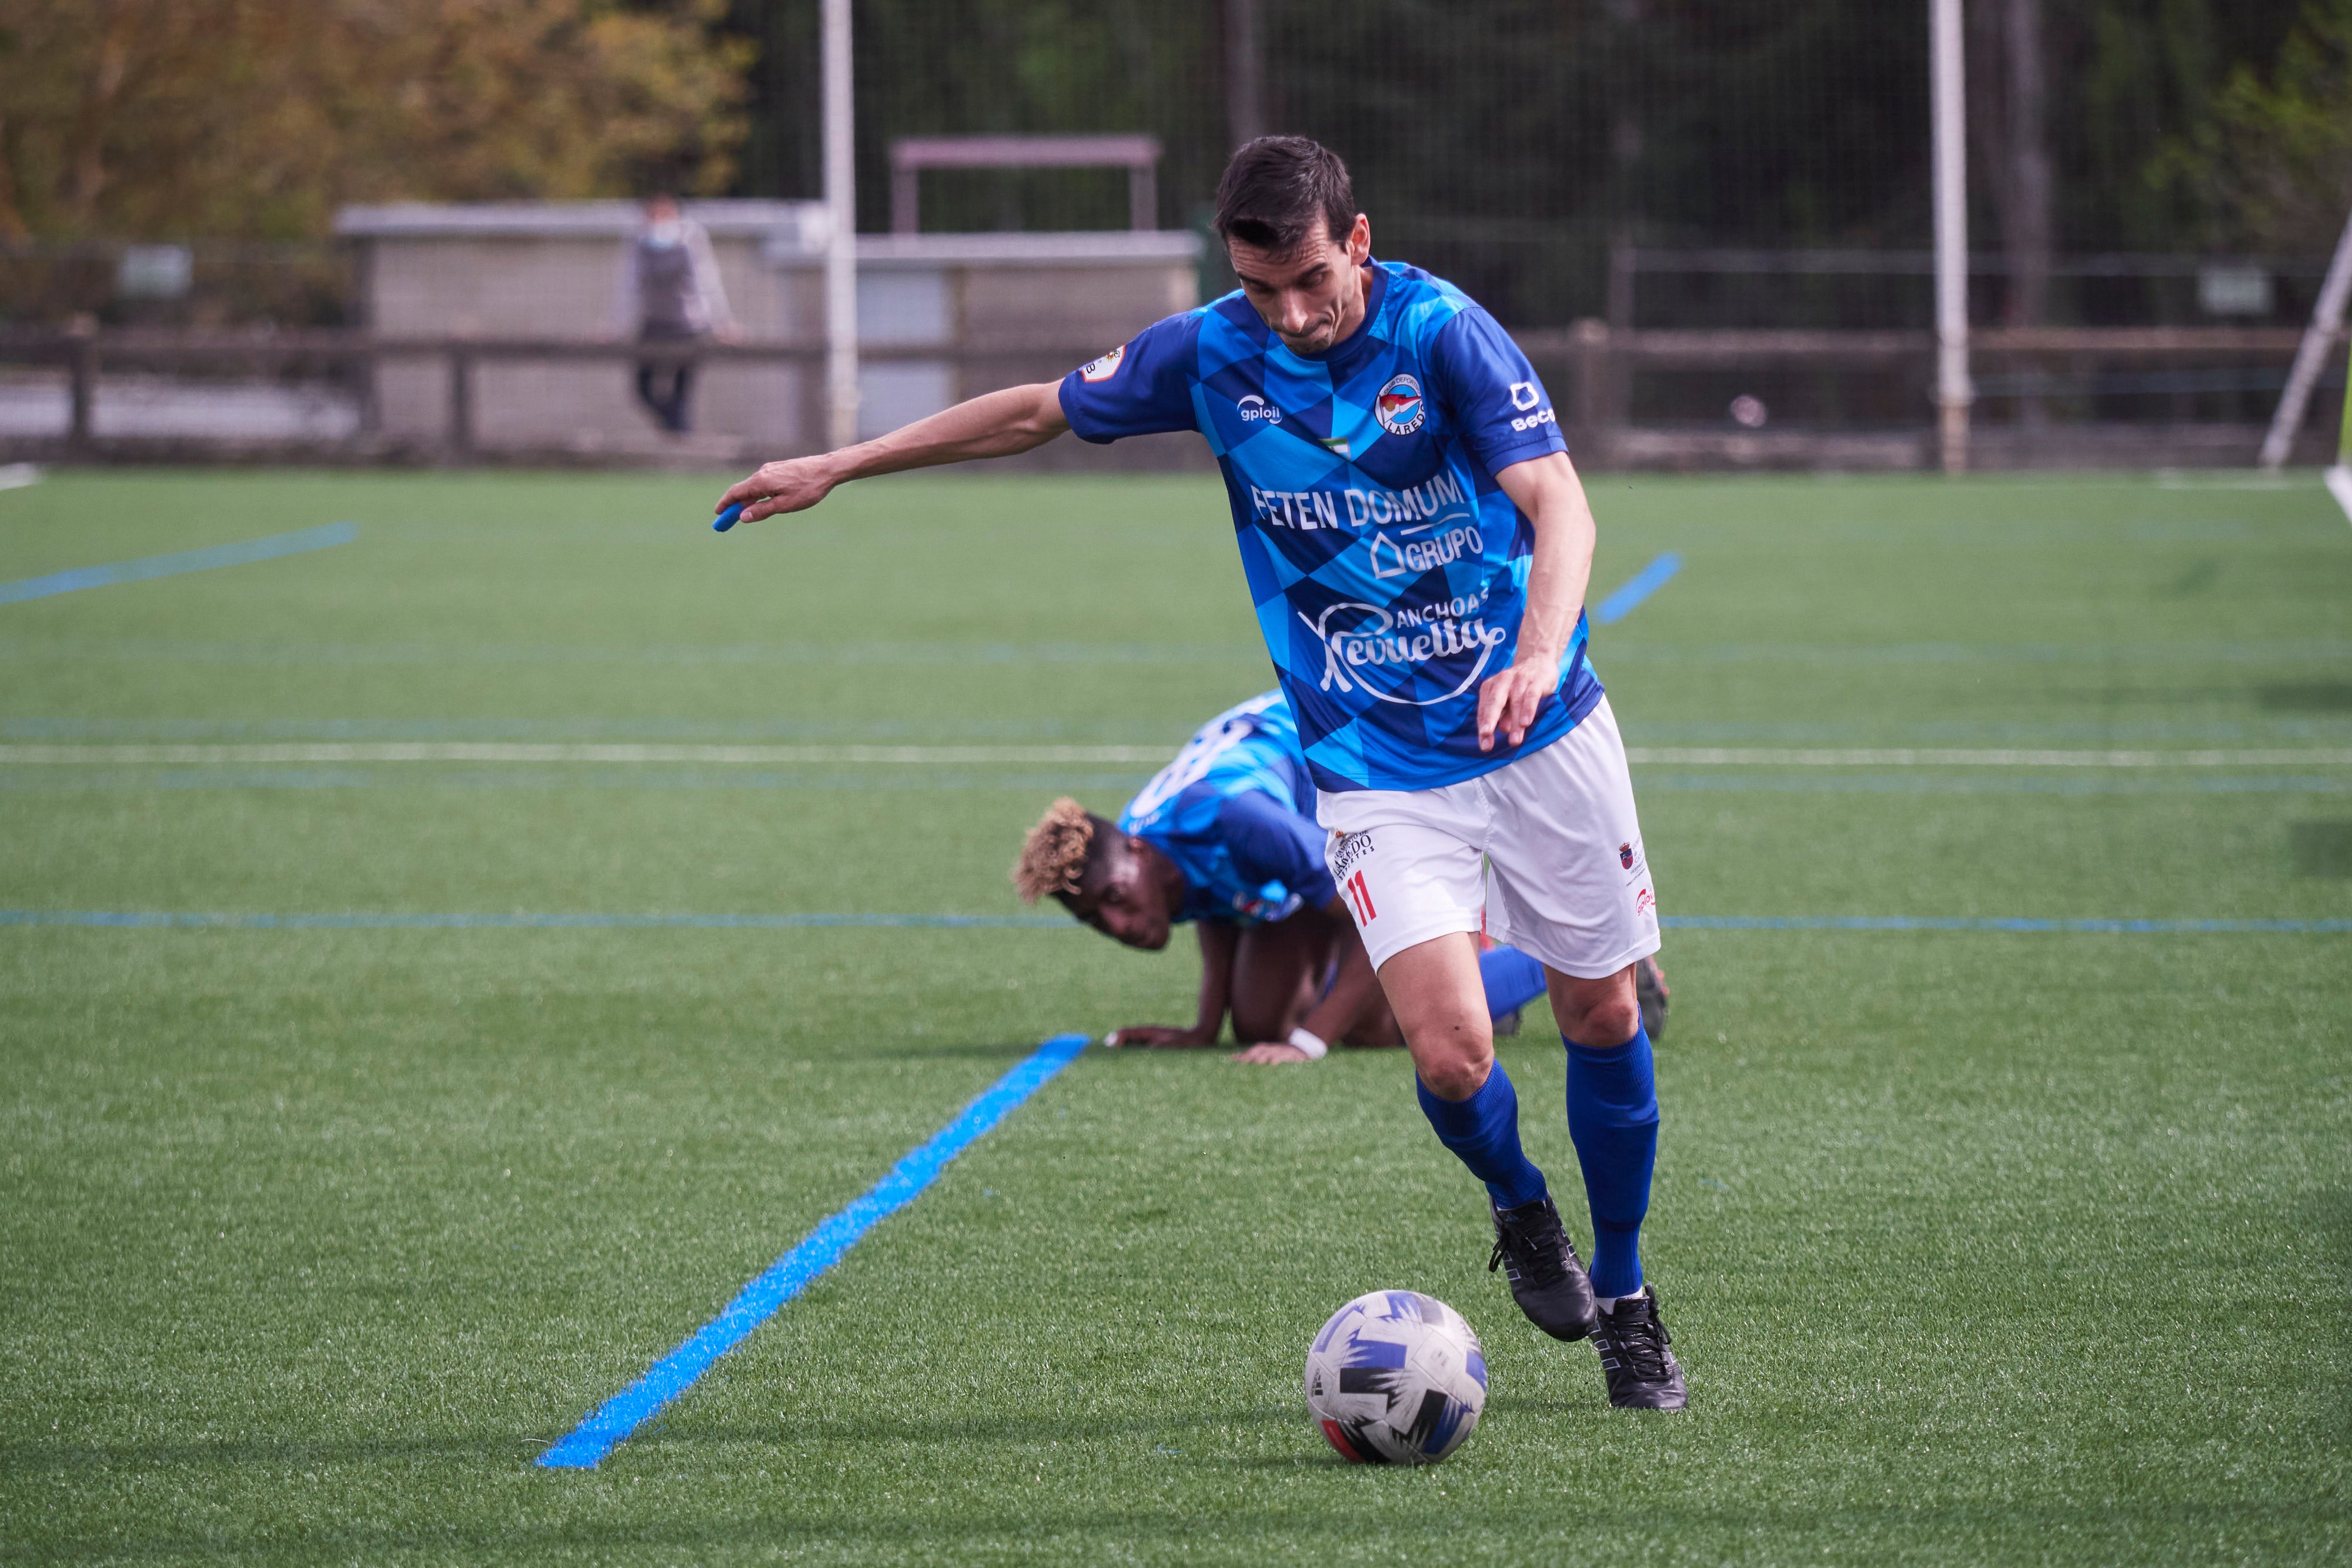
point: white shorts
(1544, 853)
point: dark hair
(1275, 188)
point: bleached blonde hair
(1054, 857)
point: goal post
(2326, 321)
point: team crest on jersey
(1103, 369)
(1399, 407)
(1625, 856)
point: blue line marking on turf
(186, 919)
(1637, 588)
(611, 1424)
(266, 548)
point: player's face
(1122, 900)
(1311, 296)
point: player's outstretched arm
(994, 425)
(1548, 491)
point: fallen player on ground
(1221, 838)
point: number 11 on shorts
(1360, 897)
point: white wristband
(1313, 1046)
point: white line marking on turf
(1942, 757)
(144, 919)
(508, 751)
(172, 755)
(16, 475)
(2225, 479)
(2339, 484)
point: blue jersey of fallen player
(1235, 811)
(1389, 569)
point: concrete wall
(549, 270)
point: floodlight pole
(2310, 354)
(841, 236)
(1947, 99)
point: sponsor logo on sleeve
(1102, 370)
(1256, 407)
(1399, 407)
(1524, 396)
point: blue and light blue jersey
(1388, 567)
(1235, 811)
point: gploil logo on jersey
(1384, 637)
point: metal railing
(1595, 371)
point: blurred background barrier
(300, 231)
(321, 395)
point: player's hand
(793, 484)
(1269, 1053)
(1154, 1037)
(1507, 701)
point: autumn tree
(258, 118)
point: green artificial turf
(1979, 1246)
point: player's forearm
(1561, 569)
(1218, 941)
(994, 425)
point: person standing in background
(670, 292)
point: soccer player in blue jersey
(1418, 545)
(1222, 838)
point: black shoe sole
(1575, 1332)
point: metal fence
(2075, 396)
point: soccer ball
(1396, 1378)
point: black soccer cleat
(1642, 1372)
(1650, 994)
(1547, 1280)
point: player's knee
(1599, 1016)
(1455, 1076)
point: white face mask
(667, 233)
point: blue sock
(1484, 1133)
(1512, 979)
(1612, 1114)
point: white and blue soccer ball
(1396, 1378)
